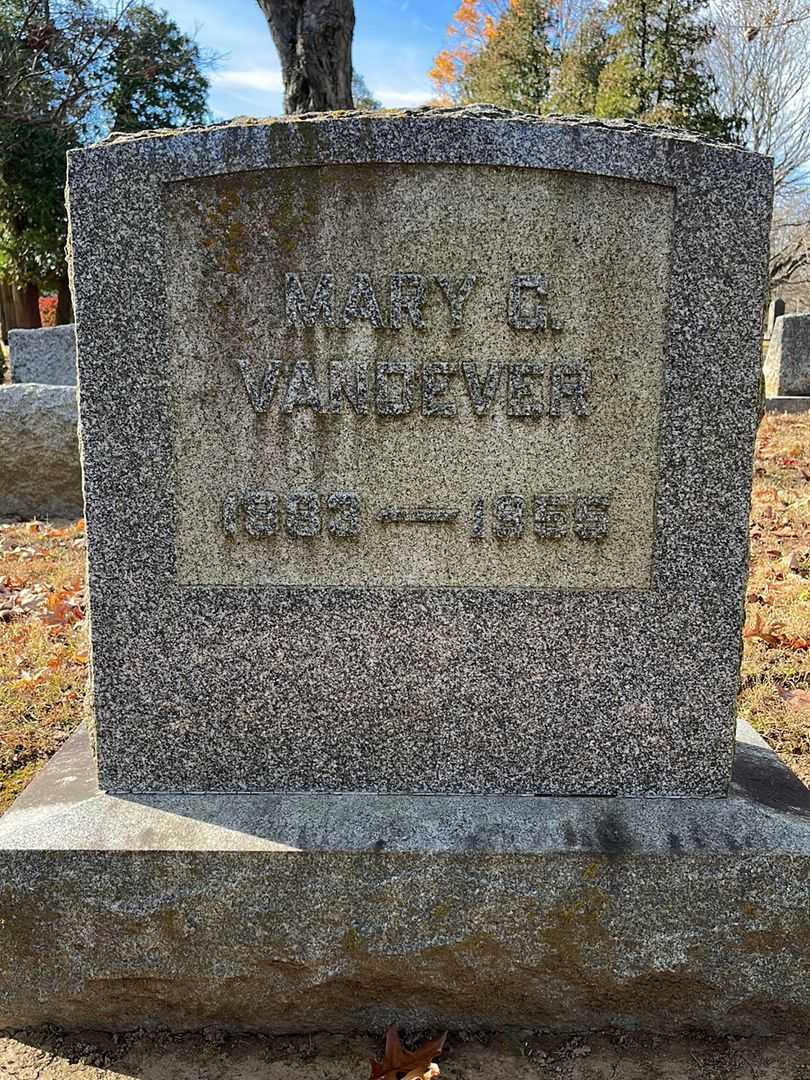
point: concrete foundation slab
(288, 913)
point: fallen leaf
(66, 606)
(17, 601)
(799, 699)
(794, 560)
(401, 1064)
(761, 631)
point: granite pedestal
(342, 912)
(789, 403)
(40, 472)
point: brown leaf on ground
(799, 699)
(17, 601)
(66, 607)
(771, 636)
(401, 1064)
(761, 631)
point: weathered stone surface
(440, 452)
(787, 365)
(787, 404)
(491, 579)
(43, 356)
(343, 912)
(40, 473)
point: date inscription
(304, 515)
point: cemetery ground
(51, 1055)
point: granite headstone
(43, 356)
(417, 452)
(787, 365)
(776, 309)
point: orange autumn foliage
(473, 25)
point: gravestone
(427, 504)
(40, 473)
(43, 356)
(787, 365)
(417, 457)
(776, 309)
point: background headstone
(43, 356)
(776, 309)
(420, 458)
(40, 474)
(787, 365)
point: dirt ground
(51, 1055)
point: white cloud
(265, 79)
(403, 97)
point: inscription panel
(417, 376)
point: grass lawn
(43, 639)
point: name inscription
(310, 301)
(436, 389)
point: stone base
(787, 404)
(295, 913)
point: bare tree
(568, 16)
(314, 42)
(790, 246)
(48, 60)
(760, 58)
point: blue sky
(394, 45)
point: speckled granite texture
(343, 912)
(528, 688)
(45, 356)
(787, 365)
(40, 474)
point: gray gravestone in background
(776, 309)
(43, 356)
(787, 365)
(40, 473)
(417, 452)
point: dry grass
(43, 647)
(775, 690)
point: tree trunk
(314, 42)
(25, 314)
(64, 303)
(5, 311)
